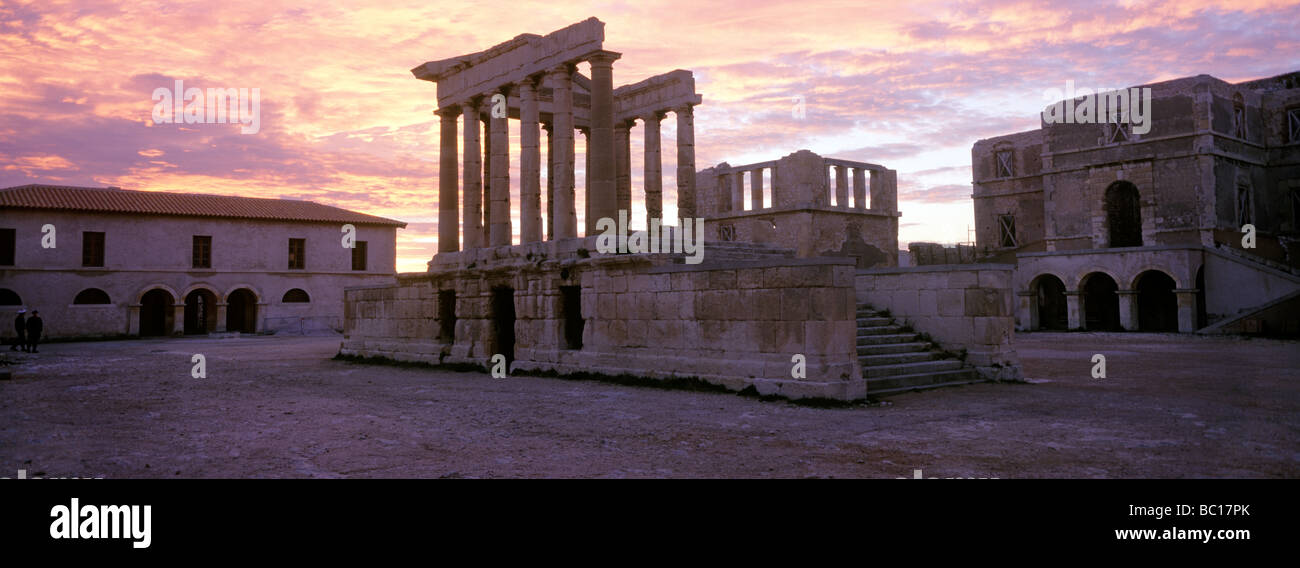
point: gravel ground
(1171, 406)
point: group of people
(29, 331)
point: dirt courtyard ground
(1171, 406)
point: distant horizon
(344, 123)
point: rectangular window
(359, 256)
(92, 249)
(1293, 124)
(1007, 231)
(202, 256)
(7, 239)
(1245, 206)
(297, 254)
(1004, 164)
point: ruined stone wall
(966, 308)
(733, 325)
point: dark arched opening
(1124, 214)
(241, 311)
(156, 313)
(1157, 304)
(1052, 311)
(91, 296)
(200, 311)
(1100, 302)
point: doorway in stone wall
(503, 322)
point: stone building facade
(110, 262)
(1114, 229)
(788, 298)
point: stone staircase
(895, 359)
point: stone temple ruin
(798, 295)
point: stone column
(487, 173)
(1074, 309)
(565, 223)
(623, 166)
(472, 218)
(133, 320)
(178, 318)
(550, 181)
(530, 165)
(859, 188)
(500, 227)
(1027, 310)
(586, 176)
(841, 186)
(654, 169)
(602, 194)
(448, 208)
(1186, 309)
(1128, 309)
(738, 191)
(756, 188)
(685, 161)
(221, 317)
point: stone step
(910, 368)
(871, 321)
(921, 381)
(895, 358)
(878, 330)
(909, 347)
(889, 339)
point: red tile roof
(113, 200)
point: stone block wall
(736, 325)
(966, 307)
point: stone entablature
(535, 79)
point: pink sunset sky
(909, 85)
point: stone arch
(203, 286)
(256, 293)
(1082, 275)
(139, 297)
(1151, 267)
(296, 296)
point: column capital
(1125, 292)
(1027, 293)
(656, 116)
(530, 81)
(1074, 292)
(452, 111)
(687, 108)
(565, 70)
(603, 57)
(471, 105)
(1185, 290)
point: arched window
(296, 296)
(92, 296)
(1124, 214)
(9, 298)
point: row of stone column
(735, 181)
(842, 186)
(608, 163)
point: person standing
(34, 328)
(20, 326)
